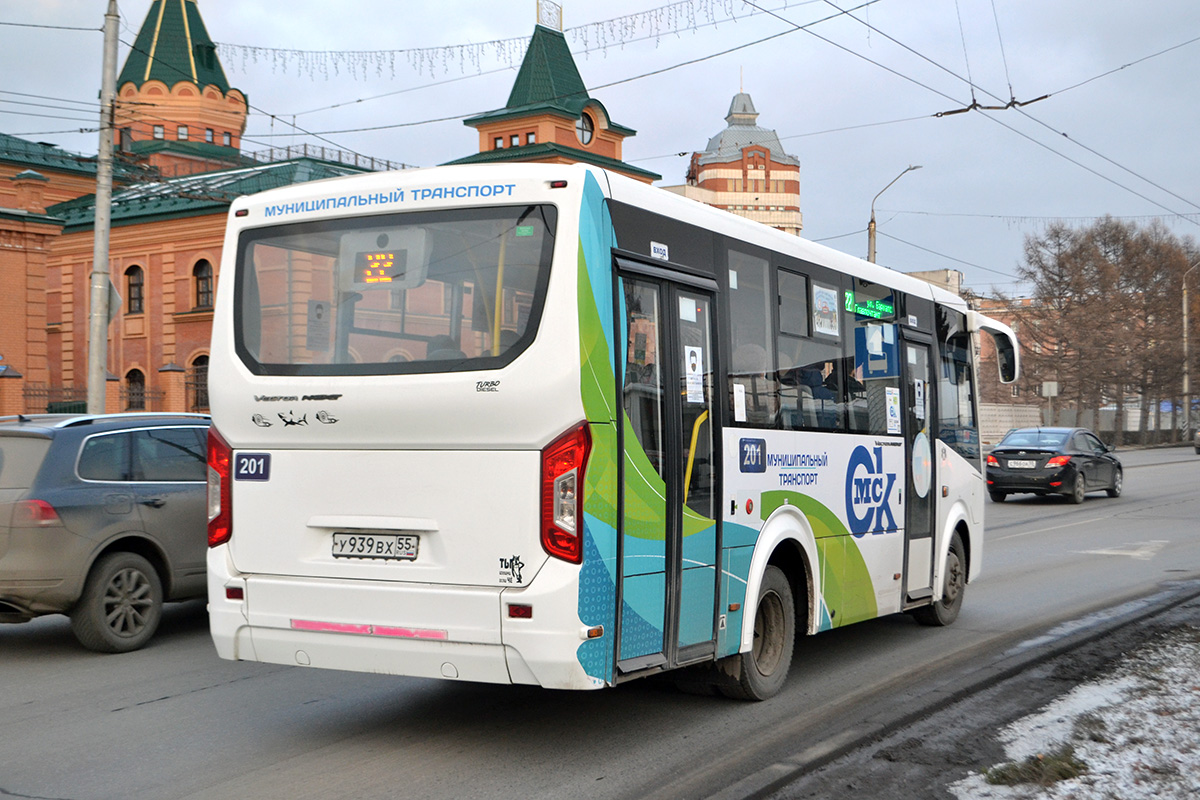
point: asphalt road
(174, 721)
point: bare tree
(1103, 318)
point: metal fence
(136, 398)
(196, 389)
(322, 153)
(47, 398)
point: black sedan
(1067, 461)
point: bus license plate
(1022, 464)
(386, 546)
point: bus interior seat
(443, 348)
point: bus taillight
(220, 489)
(563, 463)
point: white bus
(543, 424)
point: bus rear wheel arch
(760, 673)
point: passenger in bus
(824, 399)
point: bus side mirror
(1008, 356)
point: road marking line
(1046, 530)
(1142, 550)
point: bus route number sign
(752, 455)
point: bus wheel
(954, 582)
(759, 674)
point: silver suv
(102, 517)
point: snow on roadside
(1137, 729)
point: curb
(955, 686)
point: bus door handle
(153, 502)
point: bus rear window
(438, 291)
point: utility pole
(1187, 372)
(98, 316)
(871, 224)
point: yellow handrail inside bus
(497, 317)
(687, 480)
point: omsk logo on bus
(868, 493)
(753, 456)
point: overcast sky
(856, 106)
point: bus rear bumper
(417, 630)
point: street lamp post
(1187, 372)
(871, 224)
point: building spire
(549, 14)
(172, 46)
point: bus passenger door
(669, 535)
(919, 516)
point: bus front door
(919, 516)
(669, 533)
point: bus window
(643, 387)
(957, 426)
(754, 392)
(811, 384)
(873, 373)
(460, 289)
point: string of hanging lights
(671, 19)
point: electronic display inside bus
(379, 267)
(875, 308)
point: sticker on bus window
(693, 359)
(825, 310)
(316, 336)
(739, 402)
(893, 409)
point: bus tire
(954, 582)
(759, 674)
(121, 604)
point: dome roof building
(745, 170)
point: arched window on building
(196, 383)
(134, 290)
(202, 277)
(135, 390)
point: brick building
(550, 118)
(33, 178)
(745, 170)
(179, 166)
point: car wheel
(1079, 490)
(759, 674)
(1115, 489)
(997, 497)
(121, 604)
(954, 584)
